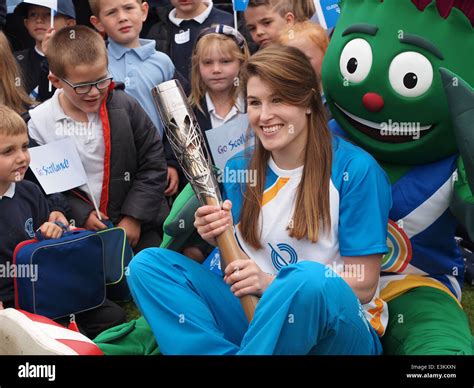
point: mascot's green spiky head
(381, 75)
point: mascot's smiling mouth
(389, 132)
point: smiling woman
(312, 221)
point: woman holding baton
(313, 224)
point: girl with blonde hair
(217, 58)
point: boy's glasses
(224, 30)
(86, 87)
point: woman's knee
(308, 277)
(147, 261)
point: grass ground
(467, 302)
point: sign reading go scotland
(57, 166)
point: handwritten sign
(57, 166)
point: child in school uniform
(120, 147)
(265, 19)
(176, 34)
(24, 209)
(32, 61)
(14, 96)
(135, 62)
(217, 57)
(219, 108)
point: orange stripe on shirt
(273, 191)
(376, 313)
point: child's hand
(1, 305)
(246, 278)
(93, 222)
(132, 228)
(173, 182)
(212, 221)
(47, 38)
(56, 216)
(51, 230)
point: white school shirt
(10, 191)
(49, 123)
(216, 120)
(199, 18)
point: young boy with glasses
(119, 146)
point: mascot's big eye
(356, 60)
(410, 74)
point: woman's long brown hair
(287, 71)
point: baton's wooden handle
(230, 251)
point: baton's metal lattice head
(187, 145)
(185, 138)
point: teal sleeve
(365, 202)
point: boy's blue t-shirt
(140, 69)
(20, 217)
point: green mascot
(398, 78)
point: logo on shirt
(399, 249)
(285, 255)
(29, 227)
